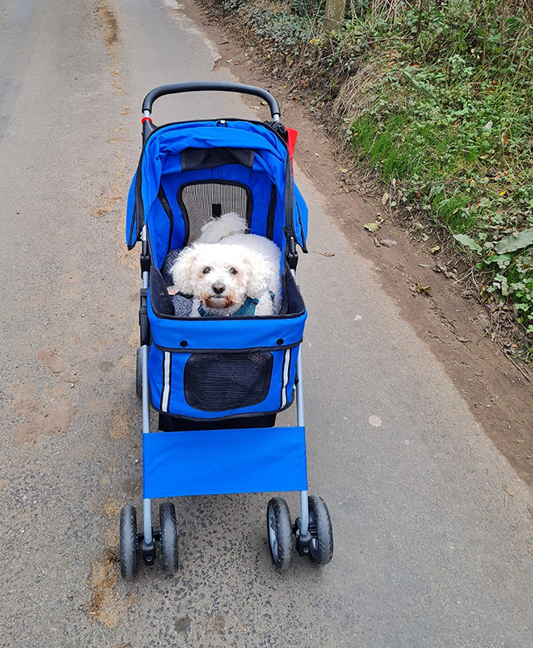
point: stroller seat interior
(188, 173)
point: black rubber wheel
(321, 547)
(129, 559)
(169, 538)
(279, 533)
(139, 374)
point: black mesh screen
(193, 159)
(224, 381)
(200, 201)
(161, 301)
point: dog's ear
(259, 272)
(182, 270)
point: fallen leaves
(421, 289)
(375, 226)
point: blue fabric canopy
(161, 164)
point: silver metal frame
(304, 495)
(148, 540)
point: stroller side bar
(148, 541)
(304, 505)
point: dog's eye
(206, 270)
(232, 271)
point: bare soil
(448, 320)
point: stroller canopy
(191, 171)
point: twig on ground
(517, 366)
(314, 177)
(507, 493)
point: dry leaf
(434, 249)
(384, 198)
(372, 227)
(422, 290)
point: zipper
(303, 245)
(271, 212)
(168, 211)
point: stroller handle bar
(213, 86)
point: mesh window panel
(161, 301)
(223, 381)
(200, 201)
(197, 158)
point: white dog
(230, 272)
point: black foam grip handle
(211, 86)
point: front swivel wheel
(279, 533)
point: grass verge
(436, 96)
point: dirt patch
(454, 327)
(109, 203)
(132, 487)
(104, 605)
(111, 506)
(52, 361)
(121, 423)
(110, 21)
(54, 422)
(25, 406)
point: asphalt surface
(433, 538)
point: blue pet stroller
(218, 382)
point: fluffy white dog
(230, 272)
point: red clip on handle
(291, 141)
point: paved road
(433, 537)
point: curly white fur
(226, 265)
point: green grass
(453, 127)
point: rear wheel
(129, 560)
(169, 538)
(279, 533)
(321, 545)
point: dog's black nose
(218, 288)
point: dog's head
(220, 276)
